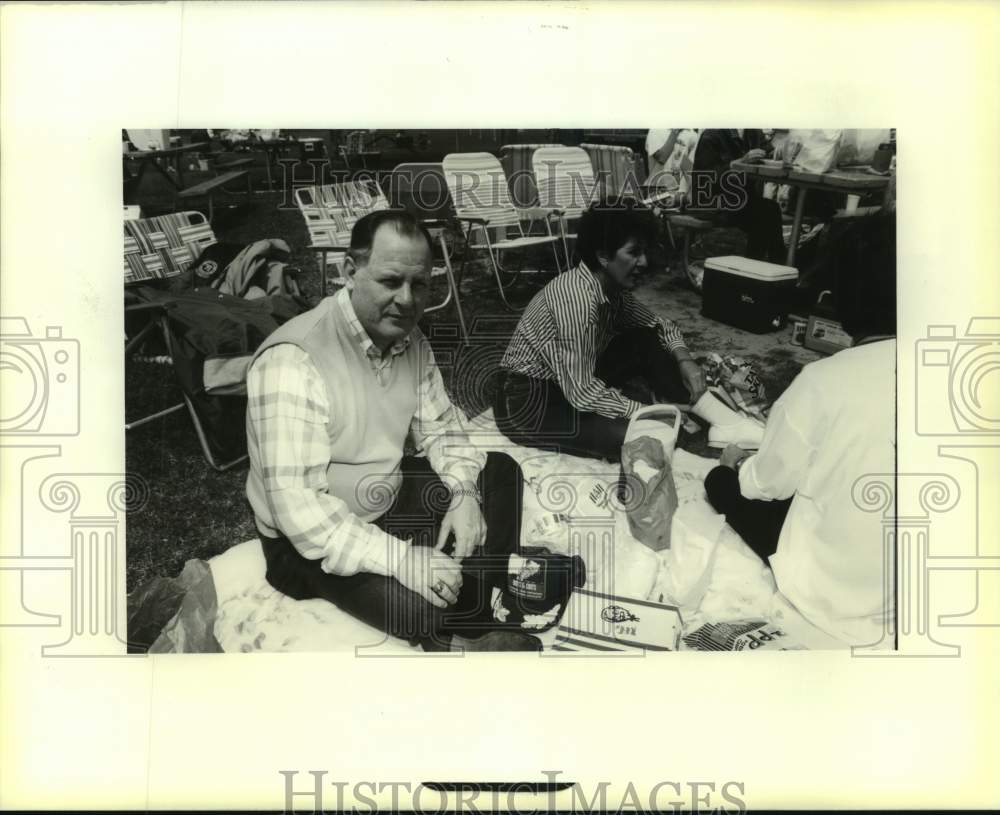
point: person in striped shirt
(568, 378)
(397, 541)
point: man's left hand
(693, 378)
(464, 519)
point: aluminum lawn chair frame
(155, 249)
(481, 197)
(565, 180)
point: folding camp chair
(165, 246)
(616, 168)
(482, 203)
(565, 180)
(516, 160)
(330, 212)
(156, 249)
(617, 171)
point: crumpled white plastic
(686, 567)
(741, 585)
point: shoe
(746, 433)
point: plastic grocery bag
(150, 607)
(650, 507)
(635, 569)
(176, 614)
(651, 497)
(741, 584)
(859, 146)
(687, 566)
(814, 151)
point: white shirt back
(834, 425)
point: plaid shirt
(567, 326)
(294, 451)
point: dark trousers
(757, 522)
(760, 219)
(536, 413)
(415, 515)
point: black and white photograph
(432, 405)
(573, 391)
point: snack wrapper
(744, 635)
(735, 382)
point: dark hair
(611, 223)
(865, 276)
(363, 233)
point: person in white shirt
(792, 500)
(670, 155)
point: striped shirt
(566, 328)
(294, 450)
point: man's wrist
(467, 488)
(385, 555)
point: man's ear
(350, 267)
(602, 258)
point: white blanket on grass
(708, 572)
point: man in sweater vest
(399, 542)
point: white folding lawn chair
(516, 162)
(565, 180)
(490, 221)
(161, 248)
(615, 166)
(330, 212)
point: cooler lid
(756, 269)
